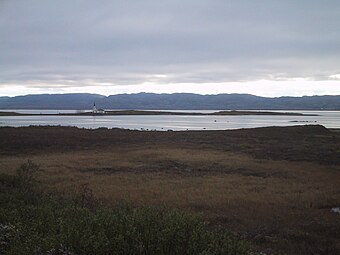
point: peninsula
(141, 112)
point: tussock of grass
(35, 223)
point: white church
(97, 111)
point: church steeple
(94, 109)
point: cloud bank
(114, 46)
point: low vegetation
(274, 187)
(34, 222)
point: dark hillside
(177, 101)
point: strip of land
(273, 186)
(138, 112)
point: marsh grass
(273, 186)
(43, 223)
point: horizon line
(175, 93)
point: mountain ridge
(176, 101)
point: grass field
(272, 186)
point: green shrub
(58, 226)
(27, 175)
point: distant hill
(177, 101)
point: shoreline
(166, 113)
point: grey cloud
(126, 42)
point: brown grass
(279, 203)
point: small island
(147, 112)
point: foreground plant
(40, 224)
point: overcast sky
(264, 47)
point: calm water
(330, 119)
